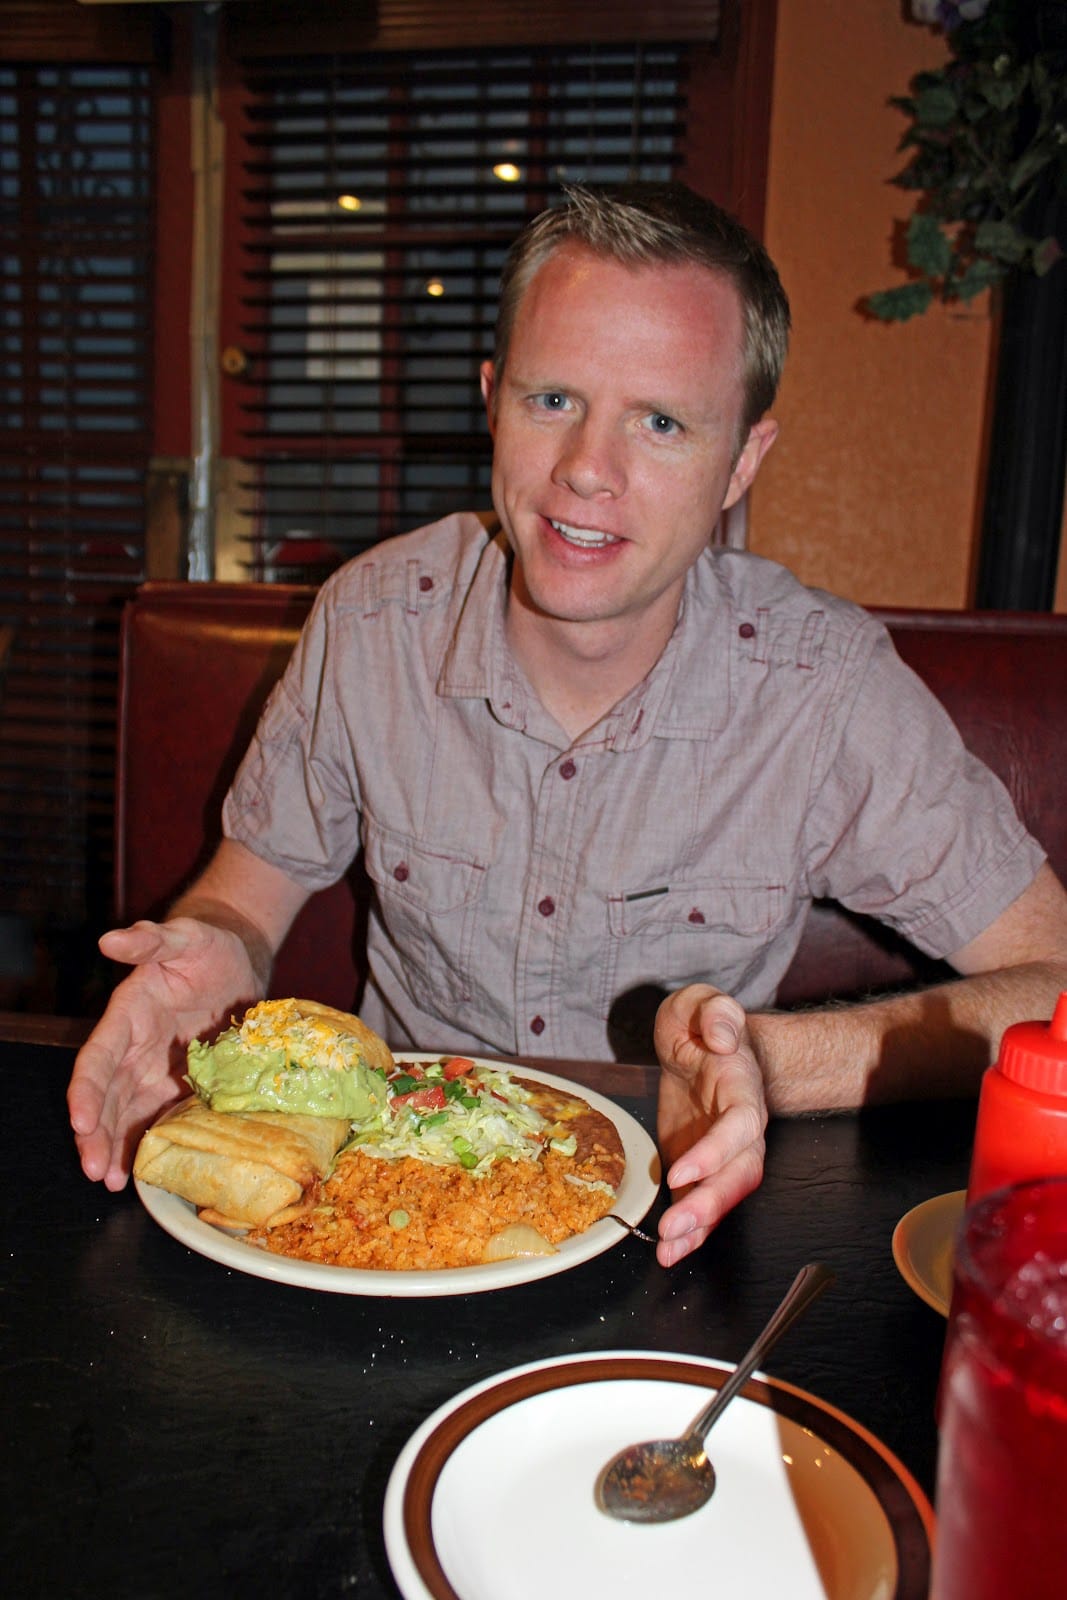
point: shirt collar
(686, 695)
(478, 664)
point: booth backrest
(197, 662)
(199, 659)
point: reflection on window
(76, 166)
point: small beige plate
(922, 1247)
(492, 1497)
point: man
(588, 755)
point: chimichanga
(244, 1167)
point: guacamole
(278, 1061)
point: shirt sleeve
(907, 825)
(294, 801)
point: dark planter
(1028, 441)
(1023, 515)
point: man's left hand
(712, 1114)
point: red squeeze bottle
(1022, 1110)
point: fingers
(95, 1152)
(147, 941)
(695, 1019)
(722, 1023)
(94, 1068)
(125, 1060)
(712, 1177)
(130, 1102)
(94, 1099)
(107, 1152)
(684, 1227)
(736, 1122)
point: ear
(487, 376)
(761, 436)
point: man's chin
(589, 593)
(551, 605)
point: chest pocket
(699, 933)
(428, 901)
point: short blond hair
(645, 224)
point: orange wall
(873, 488)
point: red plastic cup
(1002, 1406)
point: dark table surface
(175, 1428)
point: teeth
(586, 538)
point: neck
(580, 670)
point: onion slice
(517, 1239)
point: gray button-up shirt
(535, 896)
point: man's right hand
(210, 959)
(188, 977)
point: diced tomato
(431, 1099)
(457, 1067)
(410, 1069)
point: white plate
(637, 1192)
(492, 1498)
(923, 1247)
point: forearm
(922, 1045)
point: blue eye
(553, 400)
(659, 422)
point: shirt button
(537, 1025)
(425, 584)
(568, 769)
(696, 916)
(400, 872)
(747, 631)
(546, 906)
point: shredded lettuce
(488, 1119)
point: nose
(590, 461)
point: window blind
(379, 195)
(76, 246)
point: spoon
(632, 1228)
(663, 1479)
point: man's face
(617, 433)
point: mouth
(583, 538)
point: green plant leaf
(985, 133)
(930, 79)
(1046, 254)
(935, 106)
(897, 305)
(979, 276)
(1002, 92)
(1044, 85)
(929, 250)
(1029, 164)
(1002, 241)
(975, 109)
